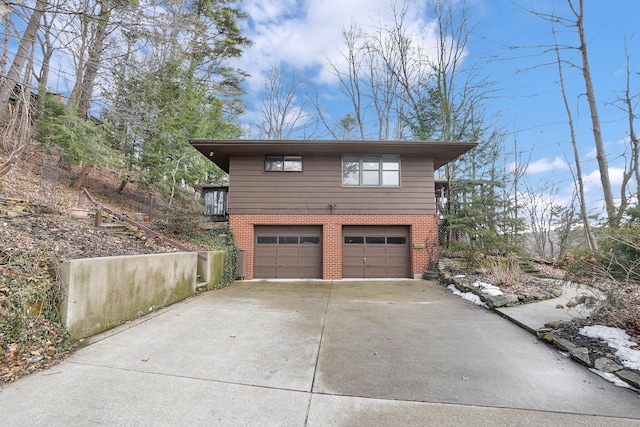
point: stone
(563, 344)
(502, 300)
(543, 331)
(606, 365)
(581, 354)
(547, 337)
(556, 292)
(629, 376)
(555, 324)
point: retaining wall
(101, 293)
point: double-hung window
(371, 170)
(283, 163)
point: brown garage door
(375, 252)
(287, 252)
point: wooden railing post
(98, 218)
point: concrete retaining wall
(101, 293)
(211, 270)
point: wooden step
(113, 226)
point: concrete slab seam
(315, 368)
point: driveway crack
(315, 368)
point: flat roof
(219, 151)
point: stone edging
(579, 354)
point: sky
(306, 34)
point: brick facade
(423, 229)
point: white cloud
(592, 180)
(546, 165)
(307, 34)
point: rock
(554, 325)
(563, 344)
(606, 365)
(629, 376)
(547, 337)
(581, 354)
(501, 300)
(556, 292)
(543, 331)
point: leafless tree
(591, 240)
(576, 22)
(601, 155)
(351, 74)
(283, 104)
(627, 103)
(24, 47)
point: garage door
(375, 252)
(287, 252)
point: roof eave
(219, 151)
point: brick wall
(423, 228)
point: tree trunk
(595, 118)
(123, 184)
(591, 240)
(28, 39)
(84, 87)
(47, 53)
(84, 172)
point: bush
(615, 270)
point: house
(332, 209)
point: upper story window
(371, 170)
(283, 164)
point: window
(267, 240)
(283, 164)
(371, 171)
(353, 240)
(309, 240)
(392, 240)
(375, 240)
(288, 240)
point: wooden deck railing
(160, 239)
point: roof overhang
(220, 151)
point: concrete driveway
(345, 353)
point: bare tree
(26, 43)
(351, 75)
(539, 207)
(601, 155)
(627, 102)
(365, 78)
(94, 25)
(283, 104)
(591, 240)
(576, 22)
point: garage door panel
(376, 252)
(288, 251)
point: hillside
(32, 245)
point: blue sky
(306, 34)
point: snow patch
(618, 339)
(611, 378)
(488, 288)
(469, 296)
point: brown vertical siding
(253, 191)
